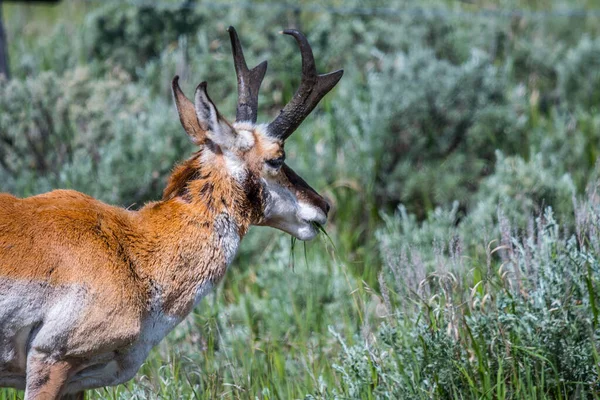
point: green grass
(230, 348)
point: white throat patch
(226, 235)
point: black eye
(275, 163)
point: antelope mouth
(306, 232)
(310, 227)
(309, 214)
(315, 222)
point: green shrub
(132, 36)
(98, 136)
(478, 327)
(579, 75)
(431, 127)
(524, 188)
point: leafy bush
(72, 132)
(517, 329)
(427, 101)
(524, 188)
(131, 36)
(579, 76)
(431, 127)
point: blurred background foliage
(459, 153)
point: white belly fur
(32, 311)
(123, 367)
(26, 308)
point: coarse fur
(87, 289)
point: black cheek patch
(254, 194)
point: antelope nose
(327, 207)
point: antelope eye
(275, 163)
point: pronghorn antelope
(87, 289)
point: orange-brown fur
(67, 237)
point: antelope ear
(187, 114)
(216, 127)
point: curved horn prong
(248, 81)
(312, 89)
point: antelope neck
(190, 246)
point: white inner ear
(216, 130)
(206, 111)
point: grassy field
(459, 152)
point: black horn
(248, 81)
(312, 89)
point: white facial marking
(262, 130)
(227, 236)
(245, 140)
(235, 166)
(309, 212)
(243, 126)
(284, 211)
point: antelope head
(251, 156)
